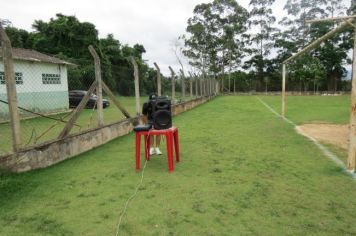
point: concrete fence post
(159, 86)
(206, 86)
(11, 89)
(191, 86)
(182, 82)
(99, 90)
(137, 86)
(201, 87)
(196, 87)
(173, 84)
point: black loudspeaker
(162, 114)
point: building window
(18, 78)
(2, 77)
(51, 78)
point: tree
(261, 17)
(68, 38)
(214, 36)
(332, 53)
(19, 38)
(65, 35)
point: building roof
(32, 55)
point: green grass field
(317, 109)
(244, 171)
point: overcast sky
(156, 24)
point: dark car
(75, 96)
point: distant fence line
(292, 93)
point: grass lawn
(317, 109)
(243, 172)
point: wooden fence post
(159, 86)
(99, 91)
(11, 89)
(352, 136)
(137, 86)
(173, 84)
(283, 89)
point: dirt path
(328, 133)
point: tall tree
(214, 36)
(262, 21)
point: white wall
(32, 77)
(33, 94)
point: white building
(41, 82)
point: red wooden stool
(171, 137)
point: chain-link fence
(49, 92)
(44, 103)
(57, 97)
(5, 133)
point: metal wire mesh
(48, 93)
(50, 89)
(44, 100)
(5, 129)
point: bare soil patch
(329, 133)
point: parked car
(75, 96)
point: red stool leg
(138, 144)
(148, 145)
(146, 154)
(176, 144)
(169, 138)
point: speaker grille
(162, 117)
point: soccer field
(243, 171)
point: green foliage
(331, 55)
(19, 38)
(215, 36)
(68, 38)
(261, 17)
(217, 42)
